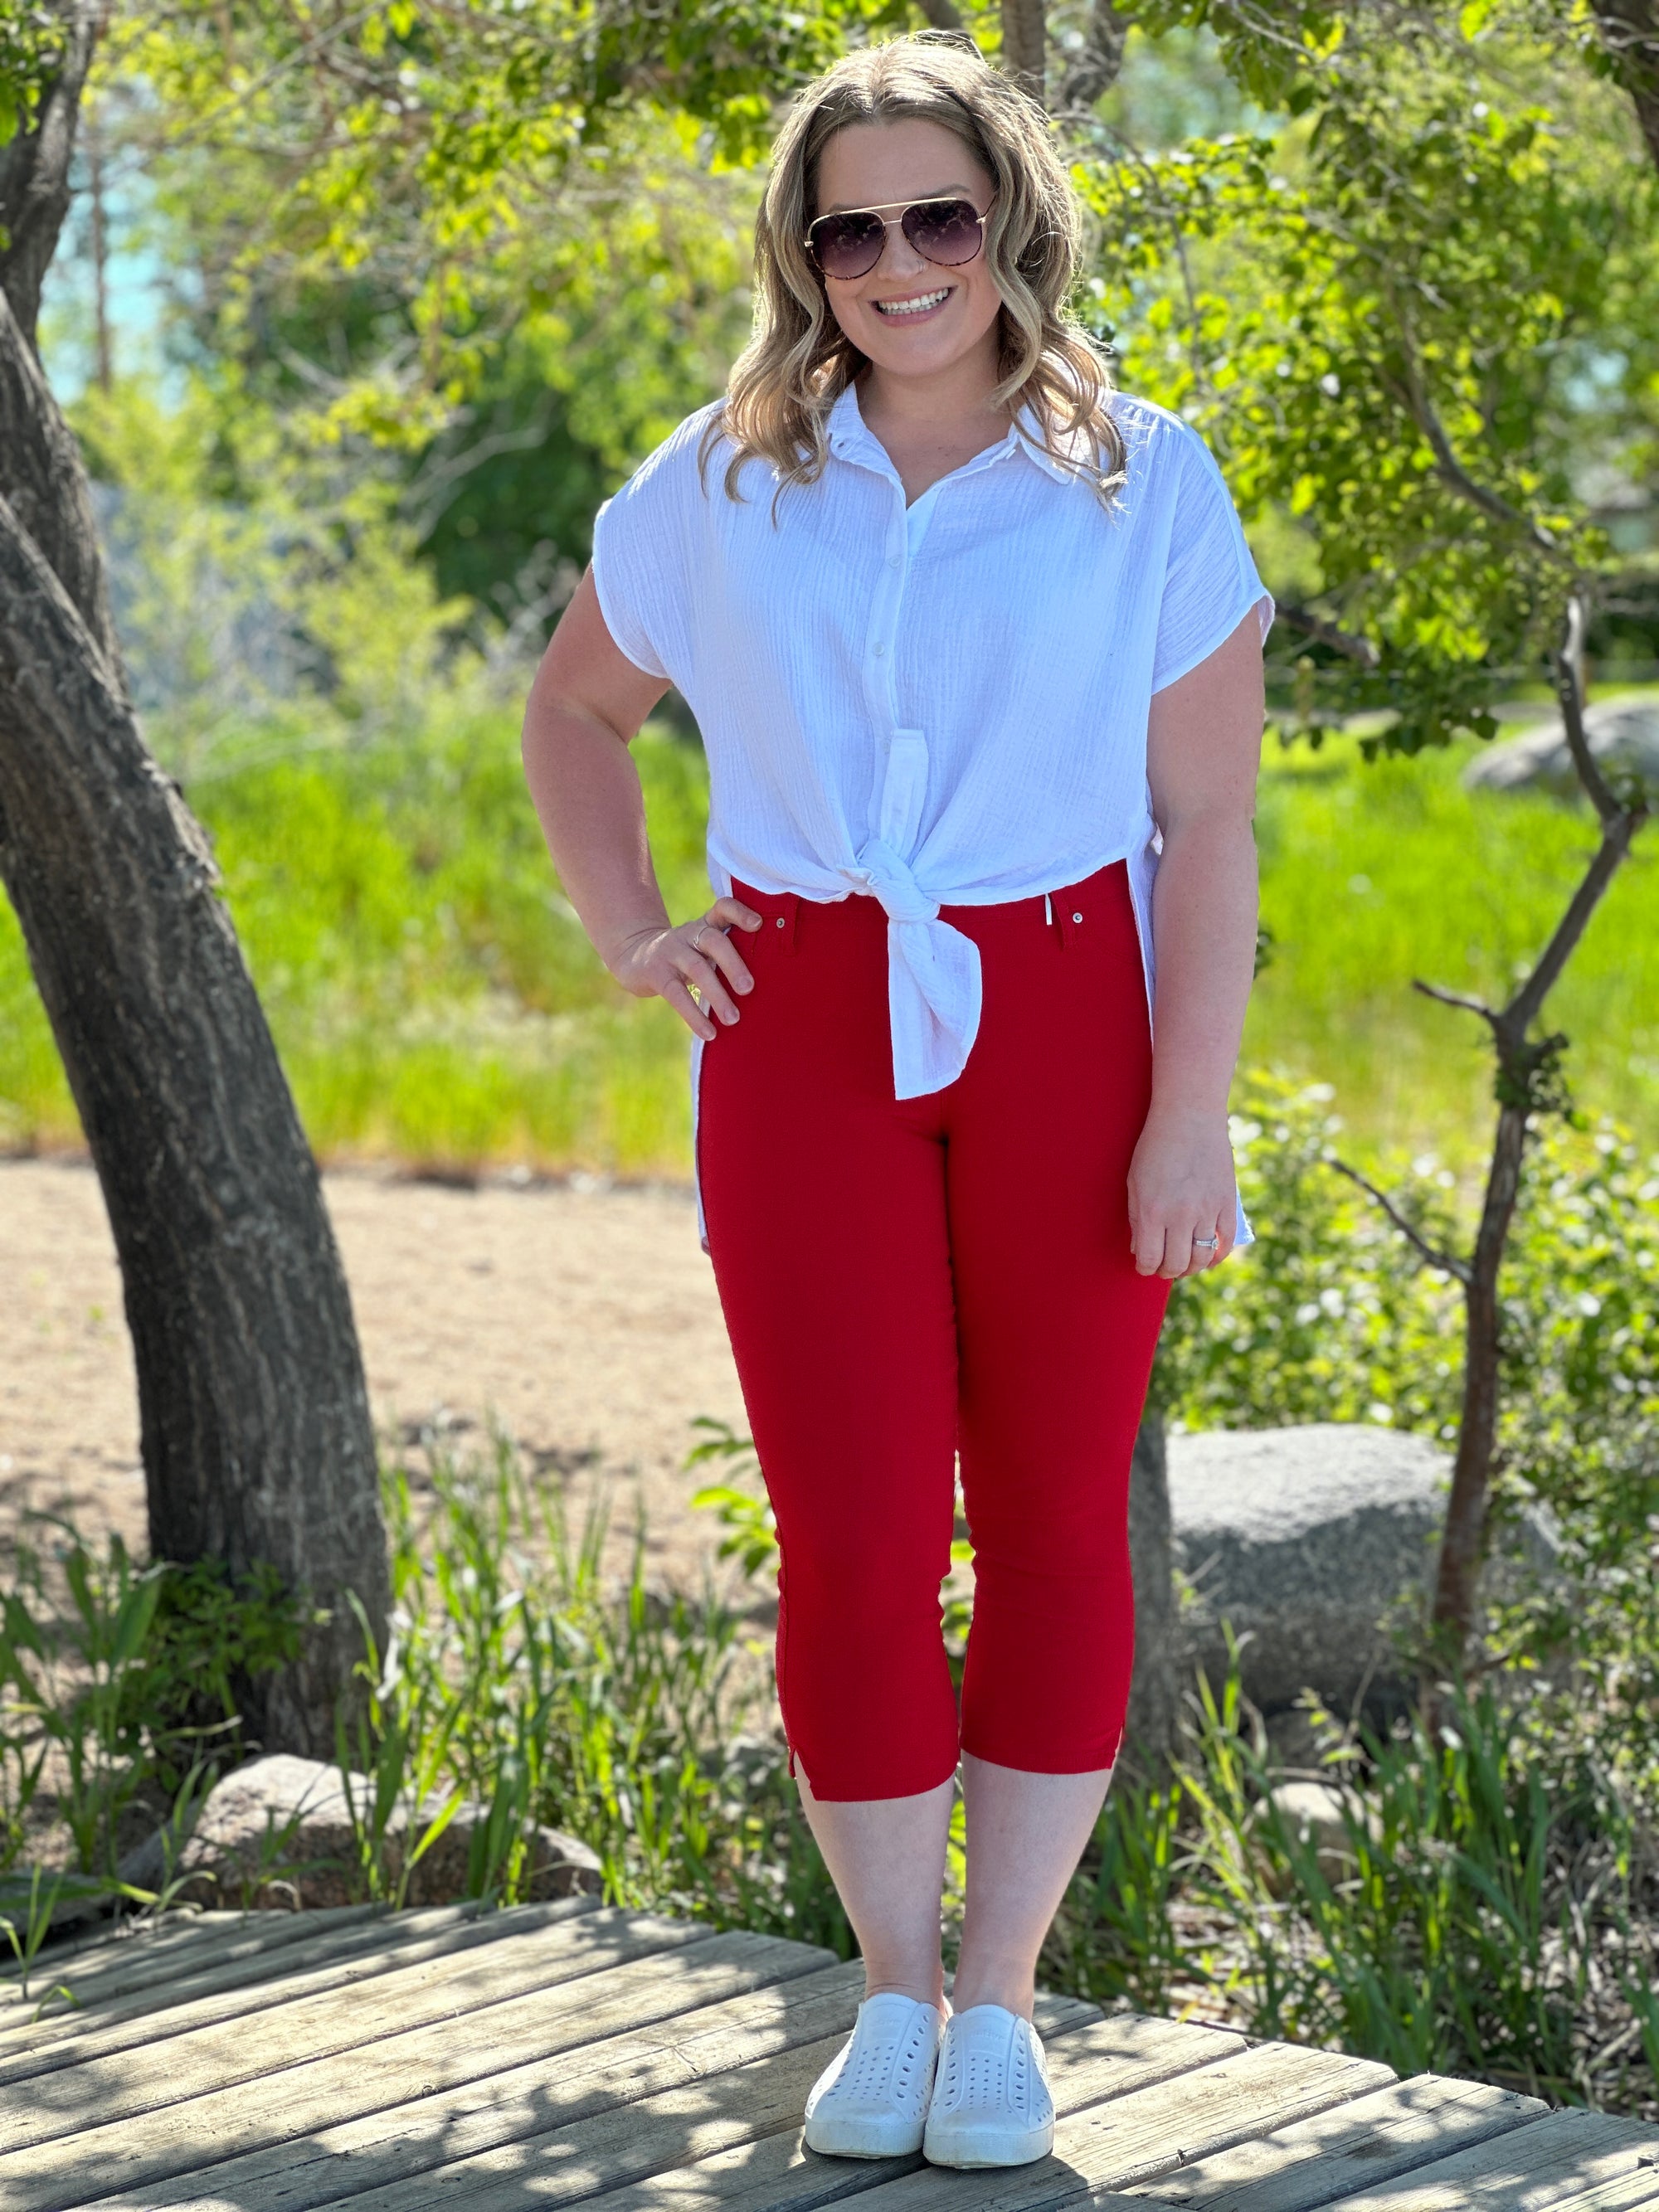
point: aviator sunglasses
(849, 244)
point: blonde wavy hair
(800, 361)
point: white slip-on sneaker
(871, 2100)
(991, 2103)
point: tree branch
(942, 16)
(1522, 1010)
(1340, 641)
(42, 476)
(34, 167)
(1455, 999)
(1567, 669)
(1432, 1252)
(1094, 68)
(1630, 36)
(1451, 471)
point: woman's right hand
(697, 955)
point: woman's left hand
(1181, 1192)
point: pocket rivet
(1077, 917)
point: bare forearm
(586, 793)
(1205, 926)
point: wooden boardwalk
(533, 2057)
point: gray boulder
(1623, 734)
(1306, 1538)
(279, 1832)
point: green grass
(435, 999)
(1376, 873)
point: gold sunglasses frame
(890, 222)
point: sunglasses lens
(846, 246)
(945, 231)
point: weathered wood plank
(129, 2083)
(692, 2058)
(247, 1986)
(1317, 2161)
(264, 2108)
(1105, 2145)
(693, 2055)
(149, 1952)
(612, 2150)
(1559, 2160)
(1119, 2057)
(1631, 2192)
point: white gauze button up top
(944, 704)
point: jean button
(1077, 917)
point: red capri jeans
(906, 1282)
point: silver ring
(1205, 1244)
(697, 936)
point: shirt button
(880, 649)
(892, 560)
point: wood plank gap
(251, 1986)
(131, 2084)
(264, 2108)
(1313, 2163)
(1107, 2062)
(1562, 2159)
(587, 2157)
(154, 1950)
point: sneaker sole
(988, 2146)
(862, 2138)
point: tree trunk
(1457, 1575)
(1025, 45)
(1094, 70)
(1630, 34)
(258, 1442)
(1149, 1740)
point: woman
(975, 648)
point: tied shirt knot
(933, 982)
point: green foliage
(1581, 1439)
(518, 1678)
(445, 177)
(1408, 324)
(1481, 1911)
(1374, 875)
(1328, 1315)
(121, 1683)
(32, 46)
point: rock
(1314, 1812)
(279, 1832)
(1306, 1538)
(1623, 733)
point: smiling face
(909, 316)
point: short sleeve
(1210, 582)
(644, 537)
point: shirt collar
(851, 438)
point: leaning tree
(257, 1441)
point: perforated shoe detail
(871, 2100)
(991, 2104)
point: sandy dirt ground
(583, 1319)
